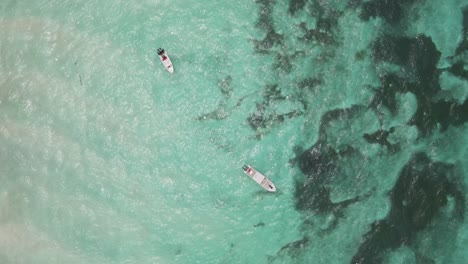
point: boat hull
(166, 61)
(259, 178)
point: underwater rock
(260, 224)
(225, 86)
(219, 114)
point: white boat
(166, 61)
(259, 178)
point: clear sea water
(356, 110)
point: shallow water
(356, 110)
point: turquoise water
(356, 110)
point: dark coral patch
(458, 69)
(386, 94)
(360, 55)
(391, 11)
(309, 83)
(430, 114)
(381, 137)
(319, 158)
(272, 93)
(418, 56)
(440, 114)
(317, 161)
(318, 164)
(271, 39)
(315, 34)
(283, 62)
(354, 3)
(298, 244)
(265, 22)
(266, 118)
(326, 21)
(463, 46)
(338, 114)
(292, 249)
(306, 88)
(318, 200)
(450, 113)
(421, 191)
(296, 5)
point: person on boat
(161, 52)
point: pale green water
(105, 157)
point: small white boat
(166, 61)
(259, 178)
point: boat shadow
(262, 193)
